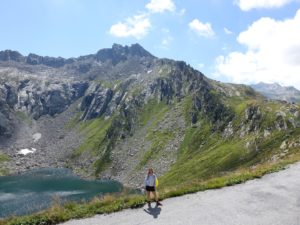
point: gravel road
(271, 200)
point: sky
(238, 41)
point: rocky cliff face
(5, 123)
(117, 112)
(38, 97)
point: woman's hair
(150, 170)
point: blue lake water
(37, 189)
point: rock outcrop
(9, 55)
(41, 97)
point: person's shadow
(153, 211)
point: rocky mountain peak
(121, 53)
(10, 55)
(138, 50)
(268, 85)
(134, 59)
(34, 59)
(278, 92)
(133, 50)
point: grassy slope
(150, 115)
(94, 132)
(3, 158)
(94, 143)
(205, 154)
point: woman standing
(150, 186)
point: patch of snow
(36, 137)
(26, 151)
(149, 71)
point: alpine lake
(37, 189)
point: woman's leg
(148, 195)
(155, 195)
(156, 198)
(148, 198)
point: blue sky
(240, 41)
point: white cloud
(272, 55)
(247, 5)
(136, 26)
(227, 31)
(159, 6)
(201, 29)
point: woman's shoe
(158, 204)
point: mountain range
(276, 91)
(116, 113)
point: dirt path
(271, 200)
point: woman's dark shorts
(150, 188)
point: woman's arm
(145, 181)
